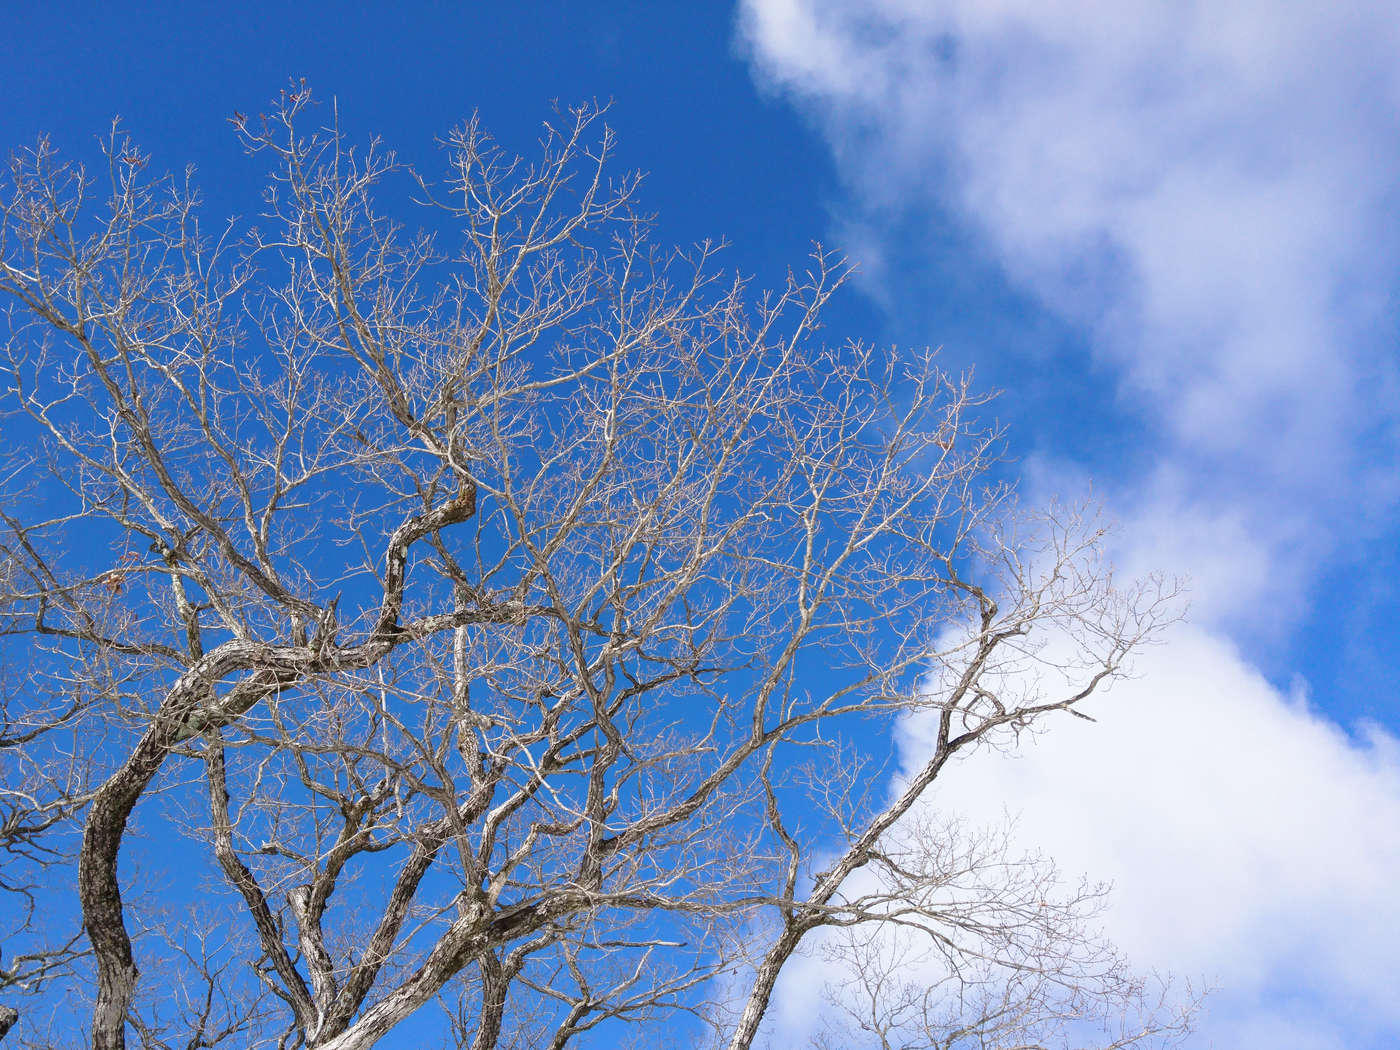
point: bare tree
(951, 940)
(461, 611)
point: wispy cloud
(1208, 193)
(1207, 189)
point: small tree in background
(474, 617)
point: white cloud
(1206, 188)
(1207, 191)
(1251, 844)
(1249, 840)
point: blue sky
(1165, 230)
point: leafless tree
(481, 614)
(952, 940)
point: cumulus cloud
(1206, 191)
(1251, 842)
(1251, 845)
